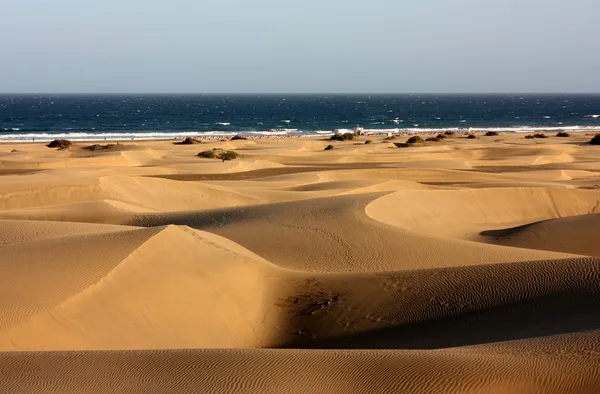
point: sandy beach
(455, 266)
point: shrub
(328, 147)
(208, 154)
(540, 135)
(449, 132)
(60, 144)
(368, 142)
(491, 134)
(188, 141)
(238, 137)
(414, 140)
(529, 136)
(441, 136)
(595, 140)
(99, 147)
(402, 145)
(343, 137)
(227, 155)
(471, 136)
(433, 139)
(391, 137)
(563, 134)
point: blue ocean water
(45, 117)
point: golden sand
(459, 266)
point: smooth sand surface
(459, 266)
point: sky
(302, 46)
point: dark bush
(529, 136)
(208, 154)
(433, 139)
(188, 141)
(238, 137)
(449, 132)
(328, 147)
(60, 144)
(414, 140)
(343, 137)
(491, 134)
(563, 134)
(227, 155)
(368, 142)
(99, 147)
(471, 136)
(595, 140)
(402, 145)
(540, 135)
(441, 136)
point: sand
(459, 266)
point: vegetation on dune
(449, 132)
(208, 154)
(491, 134)
(100, 147)
(595, 140)
(217, 153)
(188, 141)
(563, 134)
(415, 139)
(60, 144)
(529, 136)
(343, 137)
(227, 155)
(441, 136)
(540, 135)
(433, 139)
(368, 142)
(238, 137)
(471, 136)
(328, 147)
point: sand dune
(575, 234)
(459, 266)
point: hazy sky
(225, 46)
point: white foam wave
(286, 121)
(223, 123)
(593, 116)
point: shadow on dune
(560, 313)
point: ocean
(125, 117)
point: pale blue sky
(225, 46)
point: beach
(457, 265)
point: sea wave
(21, 136)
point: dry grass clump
(238, 137)
(449, 132)
(471, 136)
(595, 140)
(60, 144)
(368, 142)
(207, 154)
(328, 147)
(563, 134)
(433, 139)
(188, 141)
(415, 139)
(96, 147)
(491, 134)
(220, 154)
(227, 155)
(343, 137)
(540, 135)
